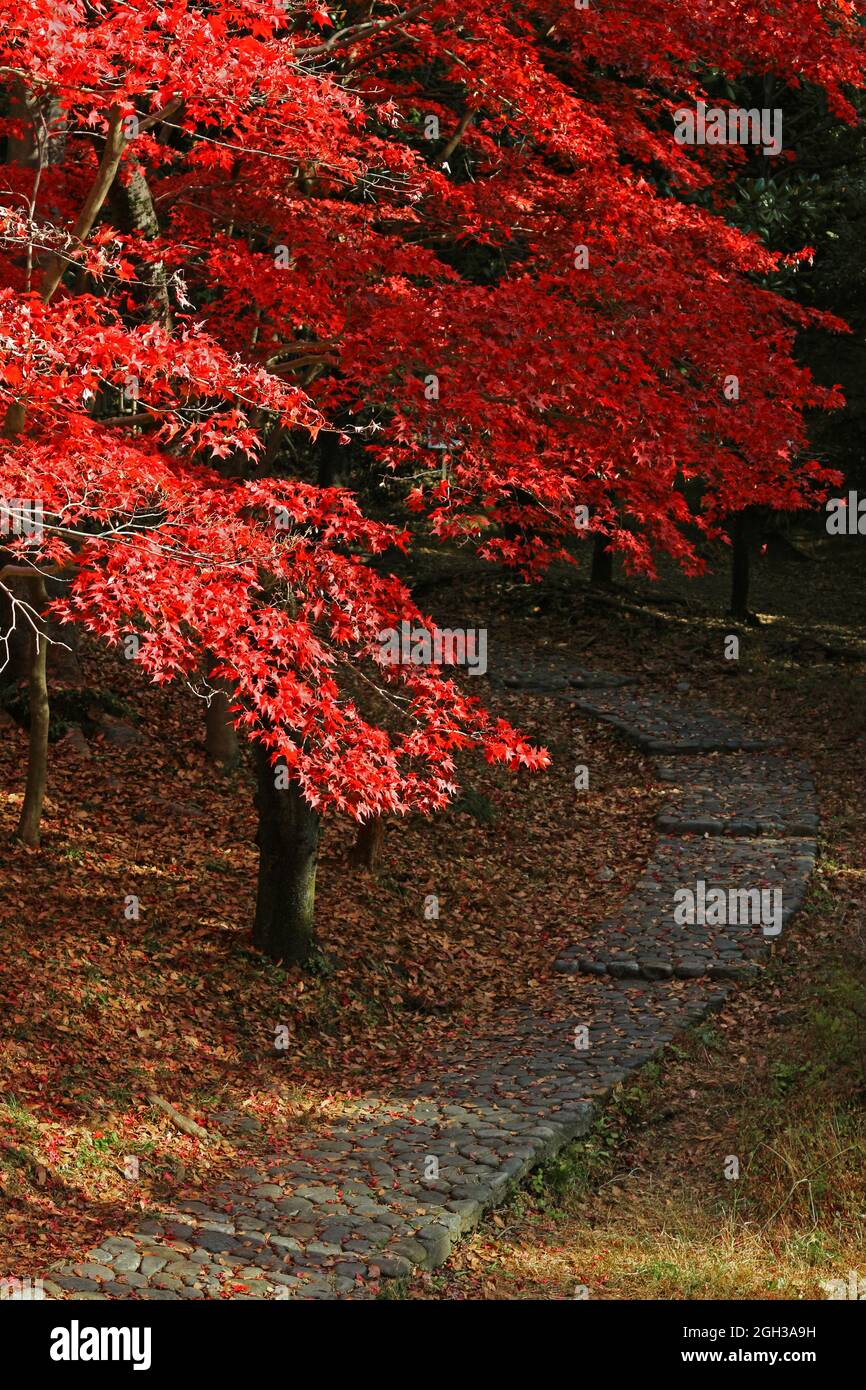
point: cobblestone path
(393, 1188)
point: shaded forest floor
(99, 1010)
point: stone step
(738, 794)
(658, 726)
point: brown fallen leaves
(102, 1008)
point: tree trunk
(64, 661)
(142, 211)
(601, 573)
(37, 764)
(220, 736)
(327, 459)
(64, 658)
(288, 840)
(741, 537)
(368, 844)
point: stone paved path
(738, 794)
(393, 1188)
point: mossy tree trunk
(220, 737)
(288, 841)
(367, 849)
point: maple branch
(463, 125)
(138, 417)
(356, 32)
(182, 1122)
(26, 572)
(168, 110)
(115, 144)
(41, 143)
(32, 615)
(301, 345)
(320, 359)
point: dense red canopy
(436, 225)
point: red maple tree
(244, 239)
